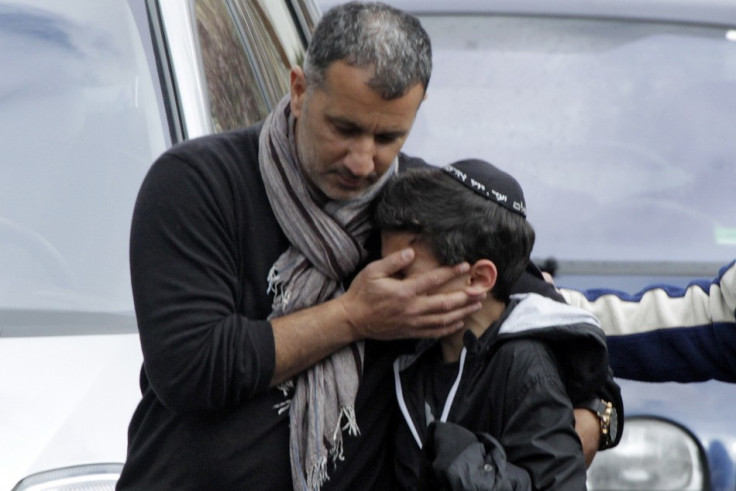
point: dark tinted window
(247, 49)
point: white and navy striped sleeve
(667, 333)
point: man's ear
(483, 273)
(297, 89)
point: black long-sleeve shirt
(203, 239)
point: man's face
(347, 135)
(424, 258)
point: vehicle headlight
(652, 454)
(97, 477)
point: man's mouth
(350, 182)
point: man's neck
(478, 322)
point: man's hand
(588, 427)
(548, 278)
(379, 305)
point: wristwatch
(608, 417)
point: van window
(247, 49)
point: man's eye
(385, 139)
(347, 130)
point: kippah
(490, 182)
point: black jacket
(202, 242)
(509, 393)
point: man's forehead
(350, 85)
(351, 121)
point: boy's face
(424, 258)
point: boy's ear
(483, 273)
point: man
(260, 341)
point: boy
(486, 407)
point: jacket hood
(574, 335)
(532, 314)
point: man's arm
(376, 306)
(666, 333)
(539, 434)
(588, 428)
(200, 352)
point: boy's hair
(459, 224)
(372, 35)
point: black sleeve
(538, 426)
(200, 354)
(532, 281)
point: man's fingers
(393, 263)
(437, 332)
(431, 280)
(439, 324)
(548, 277)
(448, 303)
(385, 307)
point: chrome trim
(705, 270)
(181, 29)
(717, 12)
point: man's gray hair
(372, 35)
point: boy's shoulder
(528, 357)
(534, 315)
(568, 338)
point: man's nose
(360, 157)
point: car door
(90, 94)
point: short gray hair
(372, 35)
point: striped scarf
(326, 245)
